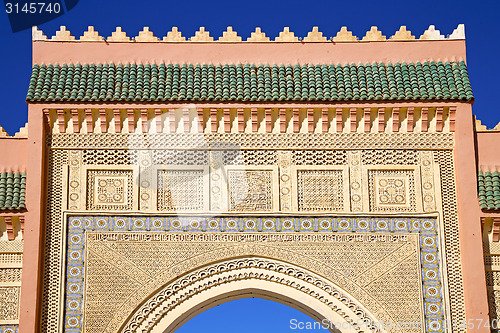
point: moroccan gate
(316, 174)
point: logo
(23, 14)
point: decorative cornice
(225, 119)
(373, 35)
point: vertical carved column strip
(89, 120)
(451, 117)
(268, 120)
(21, 223)
(158, 121)
(214, 122)
(216, 181)
(227, 120)
(76, 199)
(439, 119)
(10, 227)
(425, 119)
(338, 120)
(355, 180)
(240, 114)
(353, 119)
(495, 229)
(186, 121)
(284, 165)
(144, 120)
(409, 119)
(102, 116)
(118, 121)
(381, 120)
(48, 118)
(395, 120)
(255, 120)
(201, 120)
(295, 119)
(367, 114)
(76, 122)
(61, 119)
(131, 120)
(325, 121)
(282, 119)
(428, 186)
(146, 180)
(310, 120)
(172, 122)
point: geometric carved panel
(9, 303)
(181, 190)
(392, 190)
(250, 190)
(109, 189)
(320, 190)
(10, 275)
(11, 259)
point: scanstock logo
(23, 14)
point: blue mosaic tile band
(425, 227)
(9, 328)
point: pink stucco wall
(13, 154)
(255, 53)
(488, 150)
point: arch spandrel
(174, 304)
(258, 251)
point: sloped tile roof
(245, 82)
(489, 190)
(12, 190)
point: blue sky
(250, 315)
(482, 20)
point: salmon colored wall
(13, 154)
(33, 228)
(488, 153)
(469, 224)
(244, 52)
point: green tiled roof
(244, 82)
(489, 189)
(12, 190)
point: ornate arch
(177, 302)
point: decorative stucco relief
(249, 176)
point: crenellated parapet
(479, 127)
(286, 36)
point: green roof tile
(173, 82)
(12, 190)
(488, 190)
